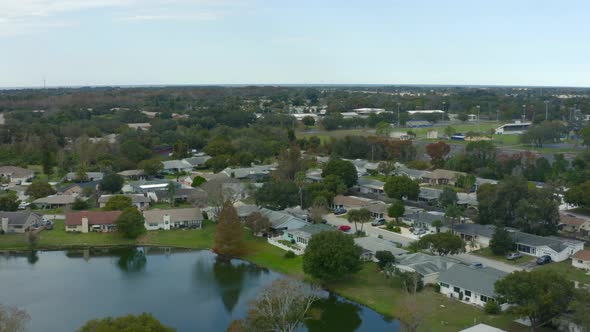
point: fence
(274, 241)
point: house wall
(77, 228)
(581, 264)
(555, 256)
(474, 298)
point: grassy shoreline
(369, 287)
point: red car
(344, 228)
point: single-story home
(197, 161)
(473, 285)
(314, 175)
(91, 221)
(476, 233)
(574, 224)
(363, 167)
(441, 177)
(482, 328)
(282, 221)
(378, 209)
(581, 260)
(15, 174)
(182, 195)
(18, 221)
(176, 166)
(414, 174)
(90, 176)
(173, 218)
(140, 126)
(77, 188)
(141, 202)
(133, 174)
(372, 244)
(559, 249)
(369, 186)
(57, 201)
(244, 210)
(145, 186)
(423, 219)
(302, 235)
(350, 202)
(256, 172)
(428, 266)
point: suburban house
(173, 218)
(350, 202)
(558, 248)
(176, 166)
(363, 167)
(57, 201)
(414, 174)
(141, 202)
(133, 174)
(429, 267)
(473, 285)
(378, 209)
(371, 245)
(482, 328)
(194, 195)
(16, 175)
(422, 219)
(368, 186)
(581, 260)
(19, 222)
(90, 177)
(573, 224)
(245, 210)
(282, 221)
(145, 126)
(256, 172)
(145, 186)
(314, 175)
(77, 188)
(441, 177)
(302, 235)
(91, 221)
(432, 195)
(197, 161)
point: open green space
(566, 269)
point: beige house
(15, 174)
(441, 177)
(581, 260)
(174, 218)
(91, 221)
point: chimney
(5, 224)
(84, 224)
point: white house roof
(482, 328)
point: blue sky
(127, 42)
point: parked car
(378, 222)
(344, 228)
(545, 259)
(513, 256)
(23, 205)
(339, 211)
(420, 231)
(477, 265)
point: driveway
(370, 230)
(468, 258)
(54, 216)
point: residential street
(468, 258)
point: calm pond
(187, 290)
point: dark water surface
(188, 290)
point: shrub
(436, 288)
(289, 254)
(492, 308)
(384, 258)
(396, 229)
(205, 215)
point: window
(289, 235)
(468, 293)
(442, 284)
(483, 298)
(580, 261)
(456, 289)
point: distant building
(19, 221)
(173, 218)
(428, 266)
(141, 201)
(581, 260)
(91, 221)
(140, 126)
(482, 328)
(368, 110)
(90, 176)
(441, 177)
(15, 174)
(425, 112)
(432, 134)
(513, 128)
(57, 201)
(176, 166)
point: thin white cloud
(172, 17)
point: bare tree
(281, 307)
(13, 319)
(412, 312)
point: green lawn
(566, 269)
(487, 253)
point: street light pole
(546, 109)
(478, 118)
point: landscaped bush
(492, 308)
(436, 288)
(290, 254)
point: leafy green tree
(501, 242)
(47, 159)
(585, 134)
(546, 132)
(450, 131)
(443, 243)
(129, 323)
(448, 197)
(81, 173)
(386, 167)
(331, 255)
(257, 223)
(396, 210)
(539, 295)
(218, 163)
(229, 235)
(384, 258)
(198, 181)
(9, 202)
(383, 129)
(579, 309)
(151, 167)
(40, 189)
(308, 121)
(400, 187)
(342, 168)
(334, 184)
(579, 195)
(437, 224)
(453, 212)
(112, 183)
(277, 195)
(118, 203)
(465, 182)
(79, 204)
(180, 150)
(134, 151)
(130, 223)
(360, 216)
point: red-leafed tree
(437, 152)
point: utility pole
(478, 118)
(546, 109)
(398, 120)
(523, 113)
(443, 114)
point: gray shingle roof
(20, 217)
(478, 280)
(370, 183)
(176, 164)
(373, 245)
(476, 229)
(197, 161)
(281, 220)
(135, 198)
(311, 229)
(94, 176)
(425, 264)
(157, 215)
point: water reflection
(32, 257)
(131, 260)
(334, 314)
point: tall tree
(443, 243)
(257, 223)
(180, 150)
(342, 168)
(289, 163)
(130, 223)
(396, 210)
(400, 187)
(501, 242)
(118, 203)
(277, 195)
(539, 295)
(229, 236)
(331, 255)
(9, 202)
(437, 152)
(448, 197)
(360, 216)
(151, 167)
(40, 189)
(112, 183)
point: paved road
(54, 216)
(370, 230)
(468, 258)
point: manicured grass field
(566, 269)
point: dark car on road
(545, 259)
